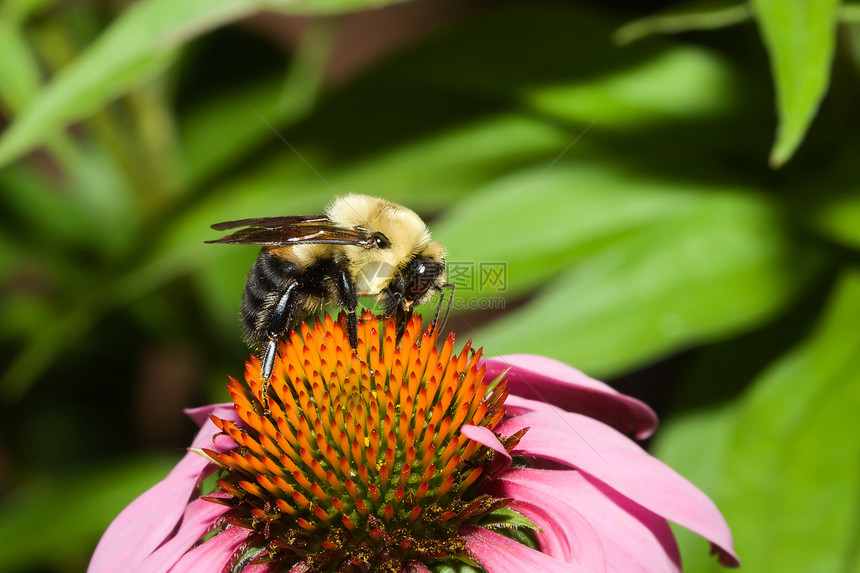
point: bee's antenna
(438, 305)
(452, 286)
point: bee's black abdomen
(267, 279)
(280, 293)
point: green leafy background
(671, 188)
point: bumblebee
(361, 246)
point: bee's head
(423, 275)
(397, 233)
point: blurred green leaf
(659, 99)
(850, 12)
(827, 199)
(800, 37)
(81, 89)
(724, 266)
(708, 393)
(312, 7)
(22, 314)
(58, 216)
(793, 461)
(20, 76)
(696, 15)
(783, 461)
(19, 70)
(696, 445)
(449, 165)
(220, 285)
(538, 223)
(838, 216)
(556, 43)
(142, 42)
(40, 211)
(680, 83)
(21, 10)
(9, 255)
(57, 521)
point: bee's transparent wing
(295, 230)
(272, 222)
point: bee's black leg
(346, 294)
(281, 318)
(390, 303)
(268, 362)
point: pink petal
(517, 406)
(487, 438)
(199, 516)
(225, 411)
(565, 534)
(550, 381)
(632, 538)
(148, 521)
(214, 555)
(617, 461)
(142, 526)
(499, 554)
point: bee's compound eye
(380, 241)
(423, 274)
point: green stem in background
(114, 140)
(699, 16)
(58, 48)
(302, 85)
(306, 73)
(159, 142)
(21, 78)
(685, 19)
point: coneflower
(412, 458)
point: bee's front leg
(402, 316)
(393, 307)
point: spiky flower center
(354, 460)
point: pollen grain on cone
(355, 457)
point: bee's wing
(285, 231)
(271, 222)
